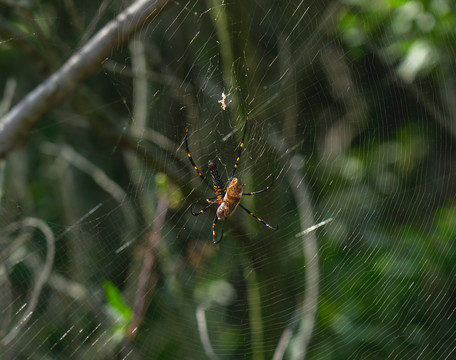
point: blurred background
(351, 107)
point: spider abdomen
(231, 200)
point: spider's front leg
(193, 163)
(262, 190)
(238, 157)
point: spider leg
(240, 148)
(262, 190)
(202, 211)
(193, 163)
(256, 217)
(214, 239)
(212, 200)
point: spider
(228, 197)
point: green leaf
(115, 301)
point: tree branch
(15, 125)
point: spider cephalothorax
(227, 198)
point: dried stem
(41, 279)
(202, 329)
(310, 248)
(148, 278)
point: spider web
(349, 108)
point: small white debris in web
(222, 102)
(315, 227)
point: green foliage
(118, 310)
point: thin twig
(90, 28)
(255, 316)
(288, 333)
(140, 86)
(309, 241)
(15, 126)
(42, 277)
(202, 329)
(147, 278)
(92, 170)
(283, 343)
(8, 95)
(99, 177)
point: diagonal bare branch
(16, 124)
